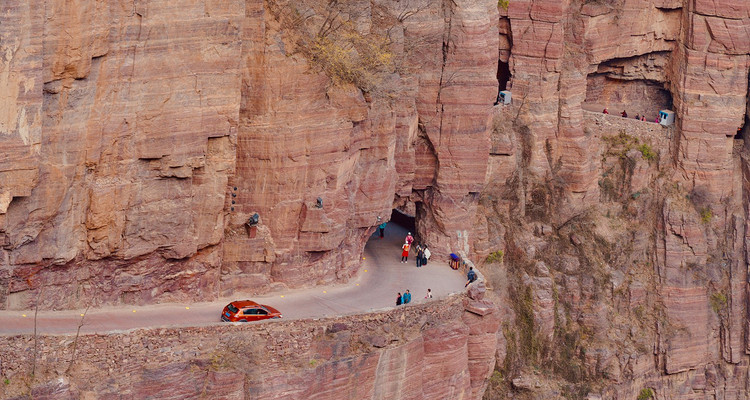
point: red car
(248, 311)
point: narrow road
(382, 275)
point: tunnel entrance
(637, 97)
(394, 234)
(400, 223)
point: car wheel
(243, 320)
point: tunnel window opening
(503, 75)
(637, 97)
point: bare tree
(36, 336)
(409, 8)
(75, 341)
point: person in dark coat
(399, 300)
(471, 276)
(420, 255)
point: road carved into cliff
(381, 276)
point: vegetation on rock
(645, 394)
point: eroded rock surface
(139, 140)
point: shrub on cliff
(329, 35)
(351, 58)
(645, 394)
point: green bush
(646, 393)
(718, 302)
(503, 4)
(706, 215)
(648, 153)
(496, 257)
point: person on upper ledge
(638, 116)
(624, 114)
(605, 111)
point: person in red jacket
(405, 252)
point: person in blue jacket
(407, 297)
(382, 229)
(471, 276)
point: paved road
(381, 277)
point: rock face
(434, 351)
(643, 228)
(140, 140)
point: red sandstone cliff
(125, 129)
(143, 136)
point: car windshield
(232, 308)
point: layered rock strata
(144, 137)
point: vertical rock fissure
(448, 15)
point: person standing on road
(382, 229)
(405, 252)
(419, 256)
(399, 300)
(407, 297)
(429, 294)
(409, 238)
(426, 254)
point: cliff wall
(627, 264)
(141, 138)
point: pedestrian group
(422, 255)
(639, 117)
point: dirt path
(381, 277)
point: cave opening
(503, 75)
(637, 97)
